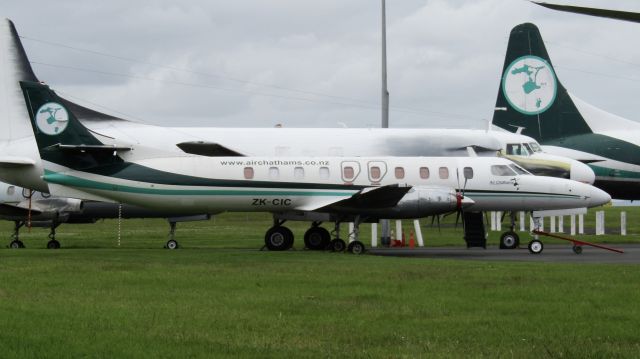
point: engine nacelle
(420, 201)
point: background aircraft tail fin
(530, 94)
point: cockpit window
(502, 170)
(519, 170)
(517, 149)
(535, 147)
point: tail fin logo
(529, 85)
(52, 118)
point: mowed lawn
(219, 296)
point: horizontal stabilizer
(12, 161)
(210, 149)
(87, 148)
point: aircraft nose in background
(598, 197)
(582, 173)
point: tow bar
(577, 244)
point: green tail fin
(61, 138)
(530, 94)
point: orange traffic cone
(412, 241)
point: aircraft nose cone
(598, 197)
(582, 173)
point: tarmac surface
(556, 253)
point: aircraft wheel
(337, 245)
(53, 244)
(535, 246)
(15, 244)
(509, 240)
(171, 244)
(278, 238)
(577, 249)
(317, 238)
(356, 247)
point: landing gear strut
(355, 246)
(510, 239)
(172, 243)
(535, 246)
(15, 237)
(53, 243)
(337, 244)
(278, 237)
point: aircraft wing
(13, 210)
(612, 14)
(13, 161)
(372, 197)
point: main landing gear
(278, 237)
(510, 239)
(317, 238)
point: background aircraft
(531, 96)
(32, 208)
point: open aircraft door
(376, 171)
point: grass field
(220, 297)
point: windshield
(535, 146)
(519, 170)
(502, 170)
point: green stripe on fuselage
(78, 182)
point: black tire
(509, 240)
(278, 238)
(356, 247)
(317, 238)
(535, 247)
(15, 244)
(577, 249)
(171, 244)
(337, 245)
(53, 244)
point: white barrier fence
(556, 223)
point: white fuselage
(205, 184)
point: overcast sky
(315, 63)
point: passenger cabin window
(248, 172)
(468, 172)
(443, 172)
(348, 173)
(11, 190)
(274, 172)
(424, 172)
(375, 173)
(399, 172)
(502, 170)
(298, 172)
(324, 172)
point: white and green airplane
(79, 163)
(20, 164)
(532, 98)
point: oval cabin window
(424, 172)
(248, 172)
(443, 172)
(375, 173)
(399, 172)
